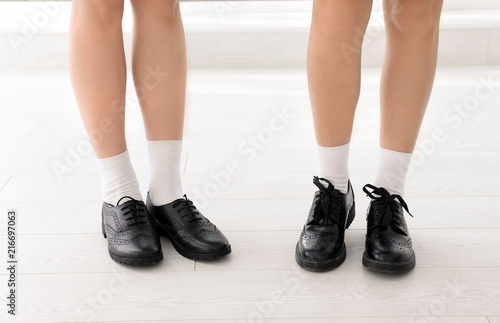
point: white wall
(244, 34)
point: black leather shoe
(388, 246)
(132, 238)
(192, 234)
(321, 245)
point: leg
(412, 29)
(98, 75)
(334, 72)
(334, 66)
(412, 32)
(159, 67)
(333, 69)
(159, 70)
(98, 72)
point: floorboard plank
(87, 253)
(443, 183)
(448, 319)
(243, 294)
(261, 215)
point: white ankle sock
(118, 178)
(165, 183)
(333, 165)
(392, 169)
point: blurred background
(245, 34)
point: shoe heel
(350, 217)
(103, 230)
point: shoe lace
(387, 205)
(329, 201)
(187, 205)
(135, 211)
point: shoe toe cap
(212, 242)
(318, 249)
(389, 251)
(141, 247)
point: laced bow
(330, 201)
(388, 204)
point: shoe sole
(200, 256)
(389, 267)
(188, 254)
(133, 261)
(137, 261)
(332, 263)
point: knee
(164, 10)
(341, 15)
(108, 12)
(414, 18)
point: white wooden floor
(66, 274)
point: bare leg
(334, 66)
(159, 67)
(98, 72)
(334, 74)
(412, 31)
(159, 70)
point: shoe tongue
(321, 228)
(321, 221)
(179, 200)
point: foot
(321, 246)
(132, 238)
(192, 234)
(388, 246)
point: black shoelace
(329, 202)
(387, 204)
(136, 212)
(188, 206)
